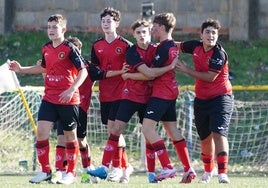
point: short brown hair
(166, 19)
(75, 41)
(138, 23)
(59, 19)
(210, 23)
(112, 12)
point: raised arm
(35, 69)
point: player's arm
(67, 95)
(112, 73)
(147, 73)
(207, 76)
(35, 69)
(152, 73)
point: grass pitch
(139, 181)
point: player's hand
(181, 66)
(39, 62)
(125, 68)
(14, 66)
(66, 95)
(173, 64)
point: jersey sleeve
(94, 58)
(161, 56)
(218, 59)
(164, 52)
(189, 46)
(133, 57)
(76, 58)
(95, 73)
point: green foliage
(248, 61)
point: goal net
(248, 135)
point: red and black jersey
(62, 65)
(110, 56)
(85, 91)
(138, 90)
(215, 60)
(165, 86)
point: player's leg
(207, 145)
(150, 161)
(220, 120)
(170, 125)
(46, 117)
(69, 119)
(84, 148)
(60, 155)
(155, 109)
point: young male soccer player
(65, 72)
(162, 104)
(135, 94)
(85, 91)
(213, 104)
(108, 54)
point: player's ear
(64, 29)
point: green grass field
(140, 181)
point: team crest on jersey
(118, 50)
(61, 55)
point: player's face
(108, 24)
(209, 37)
(55, 31)
(142, 35)
(156, 30)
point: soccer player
(162, 104)
(135, 93)
(108, 54)
(85, 91)
(65, 72)
(213, 104)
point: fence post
(189, 123)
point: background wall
(240, 19)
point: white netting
(248, 137)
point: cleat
(58, 175)
(40, 176)
(223, 178)
(206, 177)
(115, 174)
(166, 173)
(151, 177)
(126, 174)
(101, 172)
(68, 179)
(188, 176)
(85, 178)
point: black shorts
(127, 108)
(82, 126)
(161, 110)
(67, 115)
(59, 128)
(213, 115)
(108, 111)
